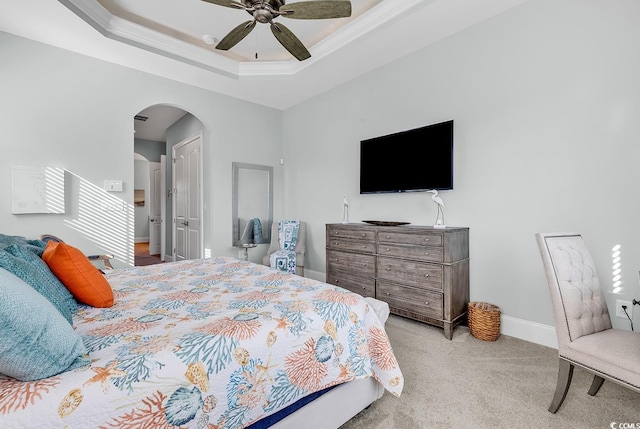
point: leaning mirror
(252, 211)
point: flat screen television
(415, 160)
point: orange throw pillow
(83, 279)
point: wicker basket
(484, 321)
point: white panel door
(155, 212)
(179, 205)
(194, 204)
(187, 199)
(163, 206)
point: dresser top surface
(408, 227)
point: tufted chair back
(583, 326)
(578, 302)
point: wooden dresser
(421, 272)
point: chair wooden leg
(565, 373)
(596, 384)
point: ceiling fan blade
(236, 35)
(290, 42)
(227, 3)
(320, 9)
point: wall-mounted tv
(415, 160)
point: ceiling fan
(265, 11)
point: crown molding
(122, 30)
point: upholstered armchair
(583, 325)
(301, 245)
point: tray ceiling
(164, 38)
(188, 30)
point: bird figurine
(345, 210)
(440, 217)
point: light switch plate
(113, 185)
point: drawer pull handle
(388, 236)
(388, 269)
(364, 288)
(364, 247)
(426, 239)
(387, 249)
(426, 253)
(388, 294)
(426, 275)
(337, 281)
(426, 303)
(364, 265)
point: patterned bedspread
(213, 343)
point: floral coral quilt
(211, 343)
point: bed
(214, 343)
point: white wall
(66, 110)
(546, 101)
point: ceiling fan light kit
(265, 11)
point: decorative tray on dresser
(420, 271)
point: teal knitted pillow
(36, 340)
(36, 246)
(33, 270)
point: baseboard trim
(315, 275)
(141, 240)
(533, 332)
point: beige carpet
(469, 383)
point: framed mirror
(252, 205)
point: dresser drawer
(352, 245)
(420, 271)
(410, 238)
(417, 274)
(420, 253)
(361, 265)
(361, 286)
(419, 301)
(351, 233)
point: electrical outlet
(620, 311)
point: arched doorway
(159, 129)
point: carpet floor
(470, 383)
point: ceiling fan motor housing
(274, 4)
(264, 11)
